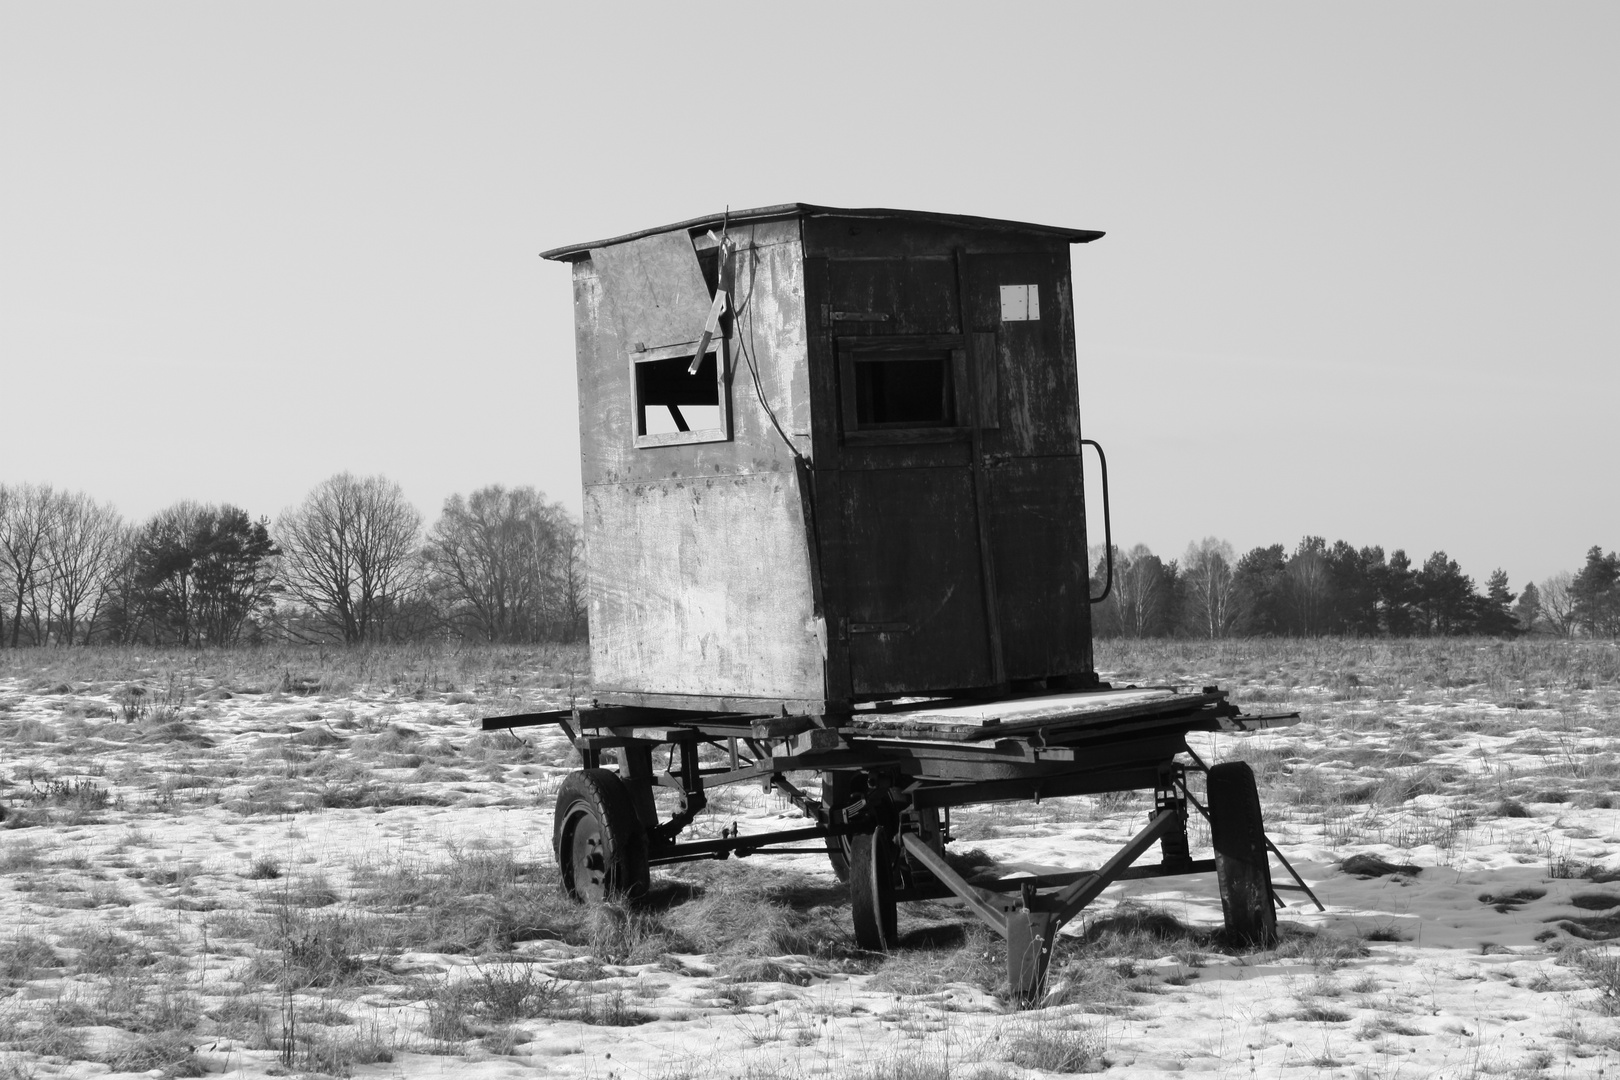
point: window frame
(849, 347)
(685, 350)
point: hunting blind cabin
(835, 528)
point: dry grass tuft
(475, 901)
(484, 1005)
(757, 911)
(167, 1053)
(1049, 1046)
(23, 955)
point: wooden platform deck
(971, 721)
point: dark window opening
(709, 266)
(904, 389)
(670, 399)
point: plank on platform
(977, 720)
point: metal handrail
(1108, 526)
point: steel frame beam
(1031, 920)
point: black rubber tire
(1242, 866)
(600, 844)
(871, 890)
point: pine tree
(1397, 592)
(1445, 595)
(1596, 594)
(1258, 582)
(1528, 609)
(1495, 608)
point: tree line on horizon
(354, 564)
(351, 564)
(1322, 589)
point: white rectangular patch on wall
(1020, 303)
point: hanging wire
(739, 310)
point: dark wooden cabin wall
(1038, 379)
(912, 560)
(910, 294)
(1043, 588)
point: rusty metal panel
(604, 387)
(914, 614)
(770, 327)
(1038, 536)
(769, 331)
(698, 559)
(655, 289)
(702, 586)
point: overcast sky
(1360, 276)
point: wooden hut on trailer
(831, 456)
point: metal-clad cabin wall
(768, 285)
(698, 564)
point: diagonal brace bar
(981, 905)
(1299, 882)
(1071, 901)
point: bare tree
(5, 566)
(130, 615)
(83, 549)
(1207, 568)
(495, 560)
(349, 553)
(1138, 590)
(1558, 603)
(25, 529)
(571, 593)
(1309, 581)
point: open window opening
(708, 258)
(904, 388)
(673, 403)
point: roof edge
(576, 252)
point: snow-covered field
(292, 864)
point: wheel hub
(590, 859)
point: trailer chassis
(883, 815)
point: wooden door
(960, 562)
(915, 611)
(1020, 308)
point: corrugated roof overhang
(575, 252)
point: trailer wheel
(837, 791)
(1241, 865)
(599, 842)
(871, 889)
(925, 823)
